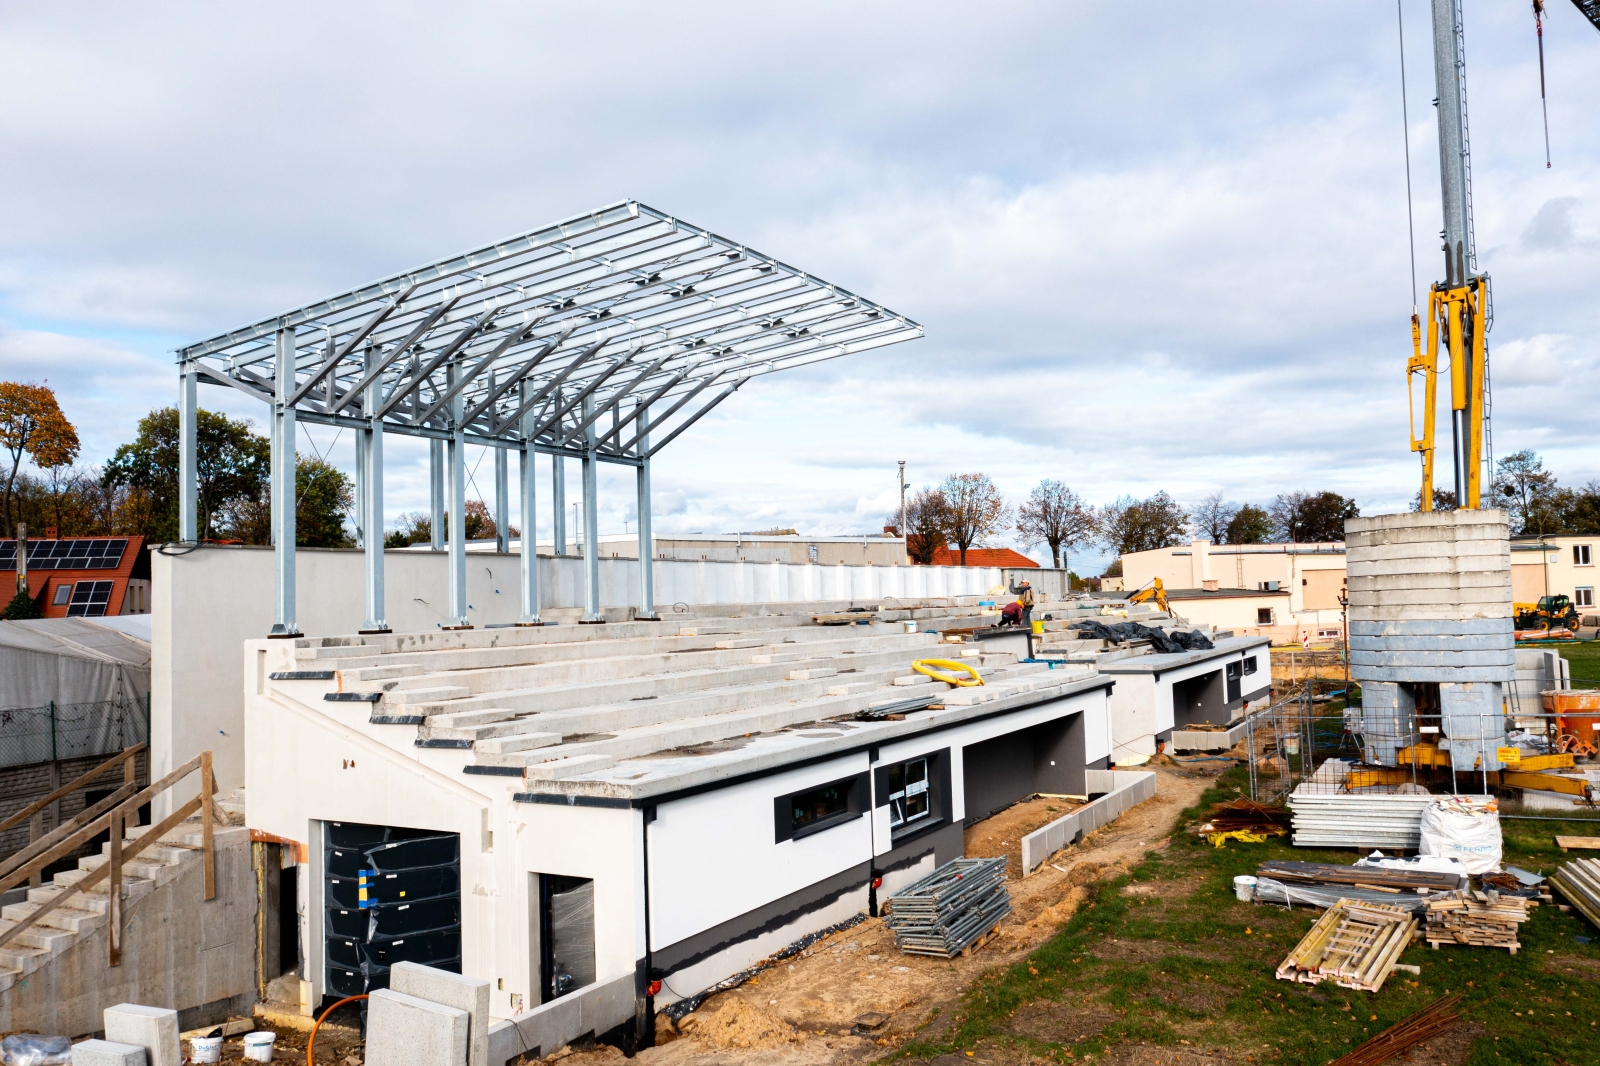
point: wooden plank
(114, 893)
(76, 783)
(208, 787)
(1581, 843)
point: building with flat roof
(1312, 575)
(1560, 565)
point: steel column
(361, 436)
(188, 455)
(530, 524)
(558, 503)
(1449, 71)
(436, 494)
(372, 499)
(457, 462)
(647, 558)
(283, 487)
(591, 515)
(502, 503)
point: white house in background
(1313, 576)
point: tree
(1249, 525)
(925, 525)
(31, 424)
(1525, 489)
(325, 494)
(1302, 517)
(974, 510)
(1443, 500)
(1114, 570)
(232, 466)
(1131, 525)
(1211, 517)
(1055, 515)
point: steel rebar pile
(1354, 945)
(949, 910)
(1481, 919)
(1426, 1024)
(1580, 882)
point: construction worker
(1024, 594)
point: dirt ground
(801, 1013)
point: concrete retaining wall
(547, 1027)
(178, 951)
(1123, 789)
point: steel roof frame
(608, 312)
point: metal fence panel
(59, 731)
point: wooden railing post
(207, 787)
(35, 831)
(130, 776)
(114, 894)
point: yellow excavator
(1155, 592)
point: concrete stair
(86, 911)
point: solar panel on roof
(86, 554)
(90, 599)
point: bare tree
(1211, 517)
(1055, 515)
(974, 510)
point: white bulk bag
(1465, 831)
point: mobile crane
(1458, 313)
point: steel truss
(600, 338)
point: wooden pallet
(978, 943)
(1581, 843)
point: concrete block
(108, 1053)
(405, 1030)
(561, 769)
(470, 994)
(907, 680)
(814, 673)
(153, 1028)
(851, 689)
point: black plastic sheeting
(684, 1006)
(1164, 641)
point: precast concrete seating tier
(552, 704)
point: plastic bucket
(1291, 745)
(258, 1045)
(1244, 886)
(1038, 629)
(911, 627)
(205, 1049)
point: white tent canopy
(70, 660)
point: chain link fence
(58, 732)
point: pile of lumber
(1481, 919)
(951, 911)
(1580, 882)
(1426, 1024)
(1354, 945)
(1376, 877)
(1245, 814)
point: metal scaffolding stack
(951, 909)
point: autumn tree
(1249, 525)
(1132, 525)
(1055, 515)
(974, 510)
(32, 425)
(1525, 488)
(925, 525)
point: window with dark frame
(1250, 665)
(1263, 616)
(818, 805)
(63, 595)
(1580, 555)
(1583, 597)
(908, 793)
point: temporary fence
(57, 732)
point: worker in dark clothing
(1024, 595)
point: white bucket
(1244, 886)
(205, 1049)
(1291, 745)
(911, 627)
(258, 1045)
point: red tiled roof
(48, 582)
(982, 557)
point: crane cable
(1538, 26)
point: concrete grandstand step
(436, 694)
(63, 917)
(562, 769)
(357, 675)
(23, 959)
(55, 941)
(503, 745)
(342, 651)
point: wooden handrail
(166, 825)
(50, 839)
(35, 808)
(86, 832)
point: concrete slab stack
(1430, 604)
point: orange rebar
(312, 1039)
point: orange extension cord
(312, 1039)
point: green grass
(1584, 655)
(1192, 964)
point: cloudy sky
(1154, 246)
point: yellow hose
(925, 666)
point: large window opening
(820, 807)
(909, 793)
(391, 895)
(564, 934)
